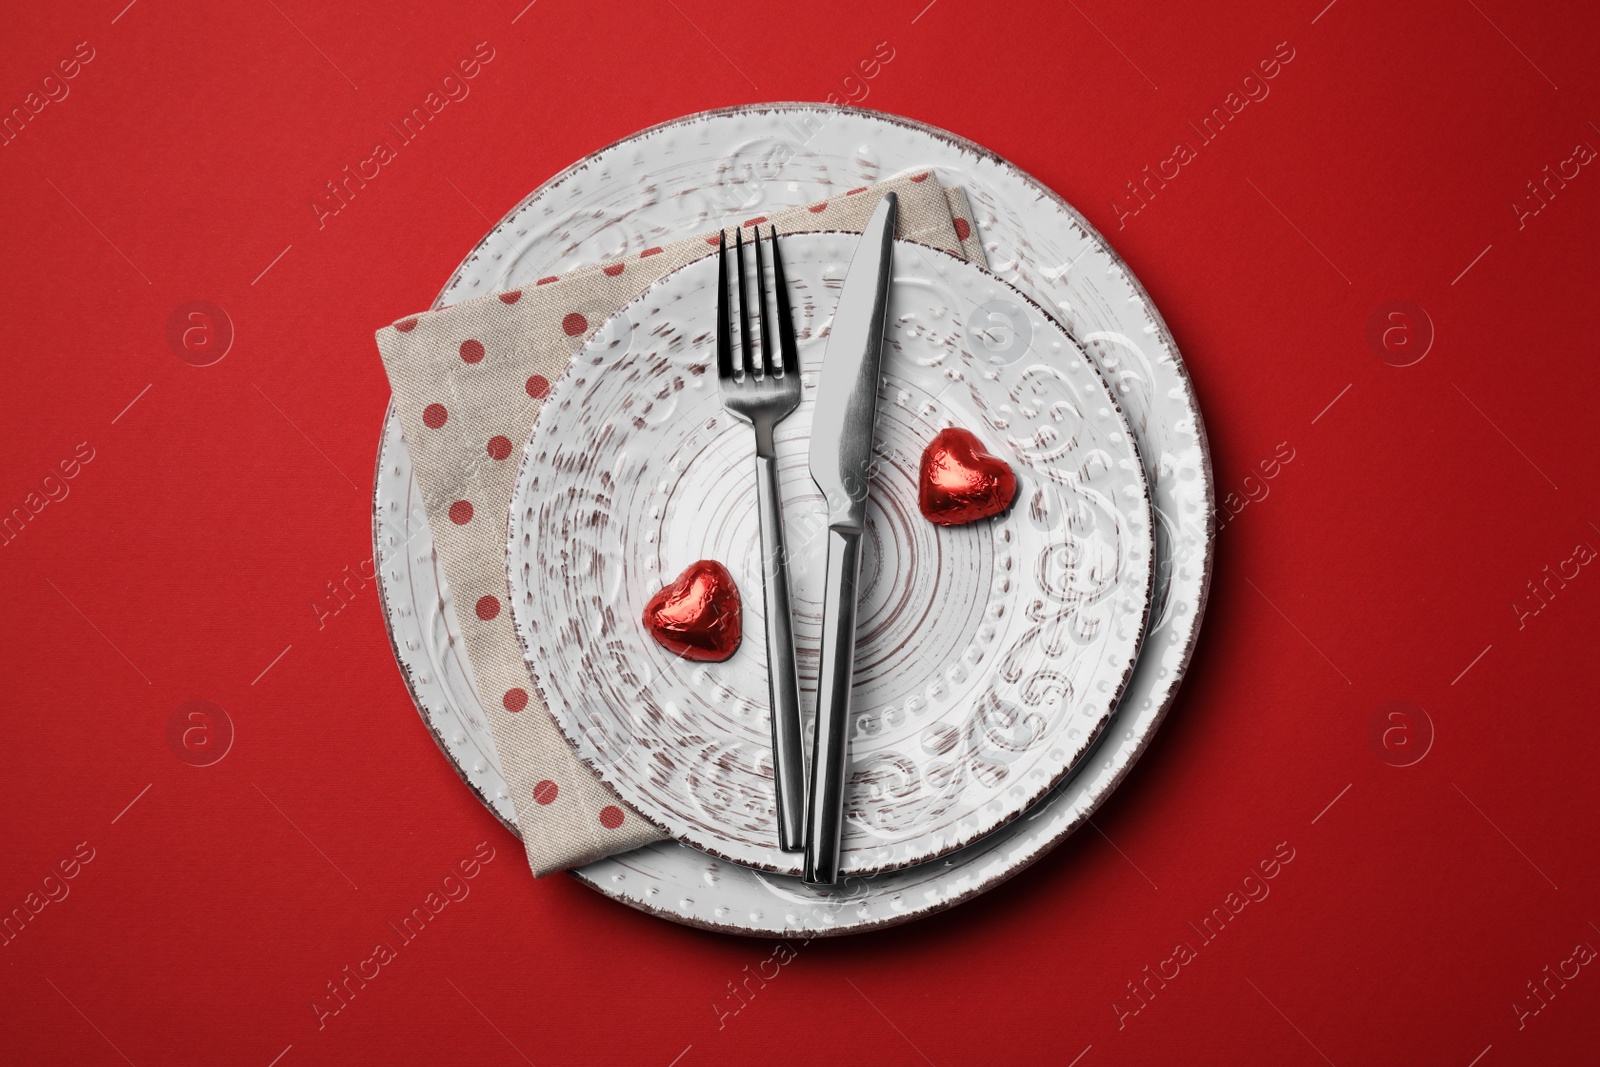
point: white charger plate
(988, 656)
(710, 170)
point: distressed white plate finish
(706, 170)
(988, 656)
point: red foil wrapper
(698, 616)
(962, 483)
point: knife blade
(841, 458)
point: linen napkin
(468, 381)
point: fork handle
(830, 758)
(788, 759)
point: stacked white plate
(1084, 312)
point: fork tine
(767, 364)
(786, 343)
(744, 306)
(724, 336)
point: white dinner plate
(988, 655)
(709, 170)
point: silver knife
(841, 457)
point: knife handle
(830, 756)
(783, 684)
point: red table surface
(1389, 560)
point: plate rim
(1103, 718)
(394, 644)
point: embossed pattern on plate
(706, 170)
(988, 655)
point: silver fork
(763, 395)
